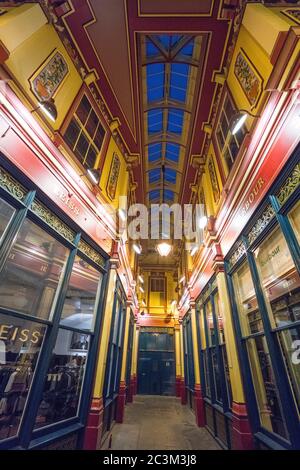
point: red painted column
(199, 406)
(242, 438)
(121, 403)
(178, 386)
(93, 430)
(183, 392)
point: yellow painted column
(241, 430)
(198, 395)
(177, 359)
(232, 354)
(122, 389)
(93, 432)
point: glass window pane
(216, 373)
(294, 217)
(79, 309)
(31, 274)
(206, 374)
(63, 385)
(219, 317)
(289, 342)
(99, 137)
(279, 278)
(72, 133)
(210, 324)
(249, 315)
(82, 147)
(83, 109)
(6, 213)
(92, 123)
(20, 345)
(267, 396)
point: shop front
(188, 358)
(264, 285)
(52, 286)
(214, 369)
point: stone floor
(158, 422)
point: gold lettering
(4, 330)
(24, 335)
(35, 337)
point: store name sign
(253, 195)
(15, 333)
(67, 200)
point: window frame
(27, 437)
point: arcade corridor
(176, 424)
(149, 225)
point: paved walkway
(158, 422)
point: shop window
(85, 134)
(20, 345)
(212, 351)
(188, 354)
(294, 217)
(82, 294)
(281, 286)
(64, 380)
(267, 395)
(32, 272)
(6, 214)
(229, 144)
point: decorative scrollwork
(91, 253)
(261, 223)
(52, 220)
(8, 183)
(238, 253)
(290, 185)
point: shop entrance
(156, 363)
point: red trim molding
(242, 438)
(93, 431)
(199, 406)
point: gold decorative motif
(113, 176)
(8, 183)
(291, 184)
(50, 76)
(238, 253)
(261, 223)
(214, 284)
(214, 180)
(248, 77)
(52, 220)
(293, 14)
(91, 253)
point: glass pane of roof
(151, 49)
(154, 175)
(154, 152)
(169, 40)
(179, 81)
(175, 120)
(155, 81)
(172, 152)
(154, 194)
(188, 49)
(155, 121)
(170, 175)
(168, 195)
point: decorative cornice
(290, 185)
(237, 254)
(11, 185)
(261, 224)
(91, 253)
(52, 220)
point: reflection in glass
(249, 315)
(81, 298)
(219, 317)
(20, 344)
(31, 274)
(6, 213)
(63, 385)
(294, 217)
(269, 405)
(210, 323)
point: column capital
(218, 259)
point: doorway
(156, 362)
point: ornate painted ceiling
(156, 64)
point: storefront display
(189, 366)
(50, 299)
(264, 276)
